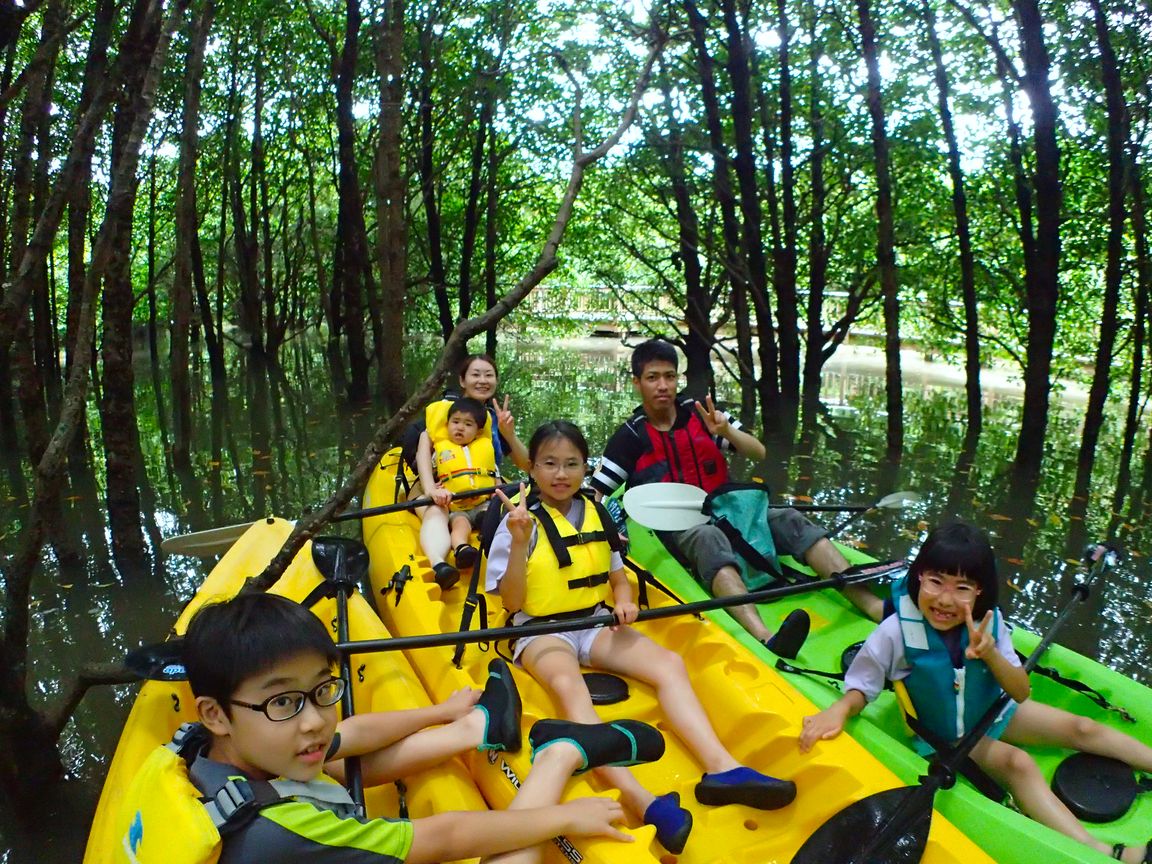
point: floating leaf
(1035, 523)
(259, 472)
(1054, 519)
(1000, 517)
(1014, 586)
(803, 499)
(1017, 562)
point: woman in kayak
(552, 558)
(478, 381)
(950, 646)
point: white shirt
(881, 658)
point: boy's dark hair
(653, 349)
(557, 429)
(959, 549)
(229, 642)
(469, 406)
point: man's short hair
(230, 642)
(653, 349)
(471, 407)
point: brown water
(281, 444)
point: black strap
(785, 666)
(473, 602)
(976, 775)
(1085, 689)
(751, 555)
(552, 533)
(644, 578)
(588, 581)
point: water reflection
(281, 439)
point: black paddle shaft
(942, 770)
(865, 573)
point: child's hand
(820, 727)
(460, 703)
(715, 420)
(625, 613)
(505, 422)
(440, 496)
(519, 519)
(981, 643)
(593, 817)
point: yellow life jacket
(460, 467)
(568, 569)
(162, 816)
(166, 820)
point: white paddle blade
(666, 506)
(204, 544)
(898, 500)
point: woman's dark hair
(557, 429)
(959, 549)
(467, 362)
(466, 405)
(228, 643)
(653, 349)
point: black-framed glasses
(286, 705)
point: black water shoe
(791, 635)
(500, 703)
(620, 743)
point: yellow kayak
(381, 682)
(756, 713)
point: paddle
(217, 541)
(896, 821)
(344, 564)
(677, 506)
(857, 575)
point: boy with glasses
(261, 669)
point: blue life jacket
(949, 701)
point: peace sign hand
(519, 519)
(716, 421)
(505, 422)
(981, 643)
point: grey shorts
(706, 549)
(473, 514)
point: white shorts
(579, 640)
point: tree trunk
(817, 246)
(1117, 137)
(436, 270)
(353, 245)
(1043, 280)
(187, 227)
(784, 271)
(963, 230)
(885, 236)
(697, 297)
(391, 193)
(744, 165)
(734, 263)
(118, 402)
(36, 761)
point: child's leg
(434, 537)
(1037, 723)
(541, 788)
(553, 663)
(1018, 772)
(461, 529)
(631, 653)
(419, 751)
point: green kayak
(1004, 833)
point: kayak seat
(605, 688)
(1097, 788)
